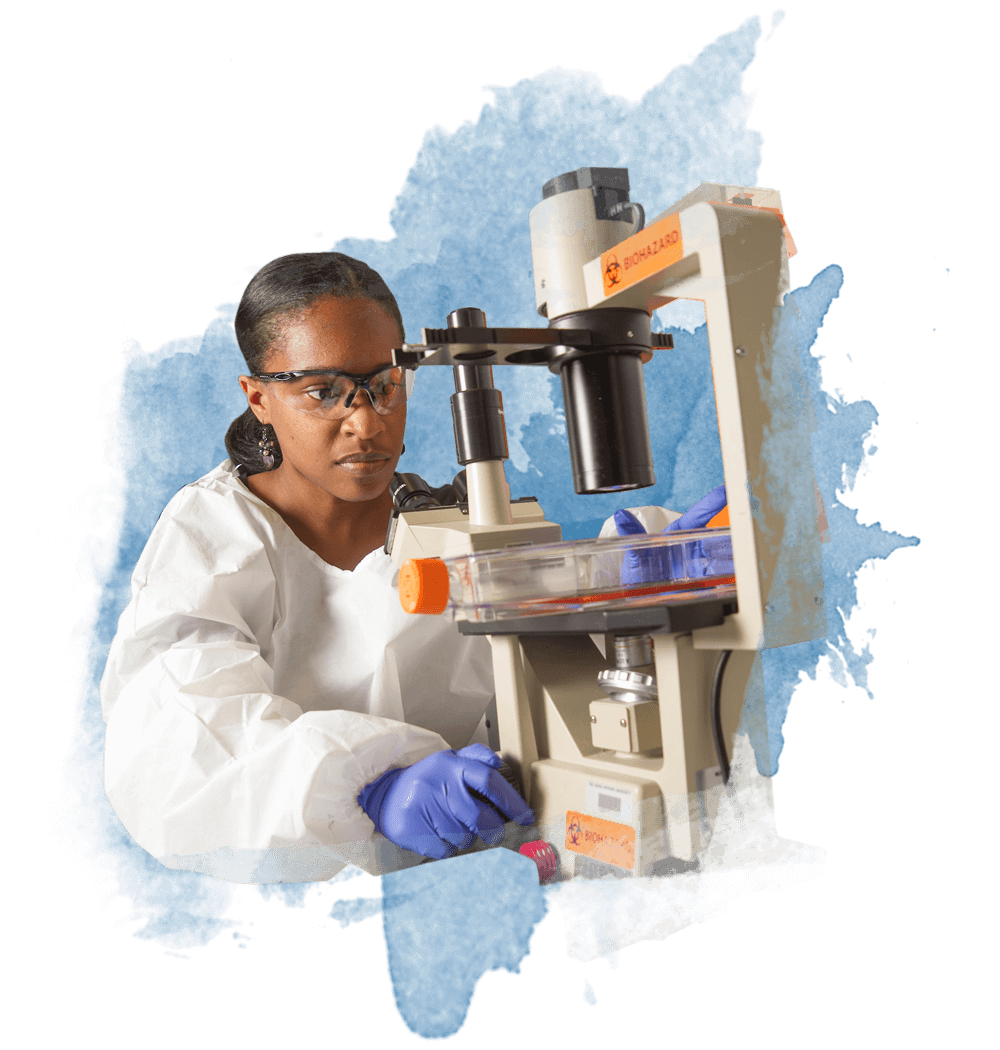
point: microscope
(617, 706)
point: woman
(271, 711)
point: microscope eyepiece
(410, 492)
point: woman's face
(352, 458)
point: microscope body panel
(559, 679)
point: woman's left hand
(703, 557)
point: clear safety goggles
(329, 392)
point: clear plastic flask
(625, 571)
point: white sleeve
(200, 753)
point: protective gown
(252, 690)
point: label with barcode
(605, 800)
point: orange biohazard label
(644, 253)
(659, 246)
(601, 839)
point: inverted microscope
(617, 703)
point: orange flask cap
(423, 586)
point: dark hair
(283, 287)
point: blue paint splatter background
(461, 238)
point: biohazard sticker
(644, 253)
(601, 839)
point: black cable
(743, 831)
(717, 718)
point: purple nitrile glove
(429, 808)
(707, 557)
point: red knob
(544, 857)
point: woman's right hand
(429, 807)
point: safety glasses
(330, 392)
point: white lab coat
(252, 690)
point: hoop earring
(402, 450)
(266, 446)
